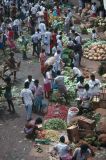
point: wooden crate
(73, 134)
(85, 123)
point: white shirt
(94, 89)
(42, 28)
(49, 76)
(48, 35)
(62, 149)
(78, 39)
(31, 84)
(33, 10)
(16, 22)
(27, 95)
(94, 36)
(77, 72)
(80, 91)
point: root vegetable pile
(95, 52)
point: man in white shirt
(59, 44)
(94, 85)
(80, 87)
(42, 27)
(31, 82)
(36, 40)
(77, 73)
(78, 38)
(27, 98)
(46, 41)
(33, 10)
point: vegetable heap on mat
(55, 124)
(95, 51)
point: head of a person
(12, 54)
(76, 34)
(50, 67)
(26, 85)
(70, 39)
(92, 77)
(38, 121)
(58, 51)
(94, 3)
(62, 139)
(38, 30)
(58, 73)
(93, 31)
(69, 10)
(86, 87)
(82, 79)
(84, 148)
(60, 38)
(30, 78)
(36, 82)
(73, 31)
(7, 79)
(43, 50)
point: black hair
(36, 81)
(93, 31)
(62, 139)
(7, 79)
(26, 84)
(38, 120)
(84, 148)
(29, 76)
(92, 76)
(86, 86)
(81, 78)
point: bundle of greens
(55, 124)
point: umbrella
(50, 61)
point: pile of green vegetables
(70, 85)
(66, 56)
(55, 124)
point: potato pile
(95, 52)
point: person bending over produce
(32, 127)
(82, 153)
(77, 73)
(59, 81)
(63, 150)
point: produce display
(66, 55)
(95, 50)
(52, 135)
(70, 85)
(100, 22)
(65, 39)
(55, 124)
(56, 22)
(57, 111)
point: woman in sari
(38, 96)
(42, 59)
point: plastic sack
(72, 112)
